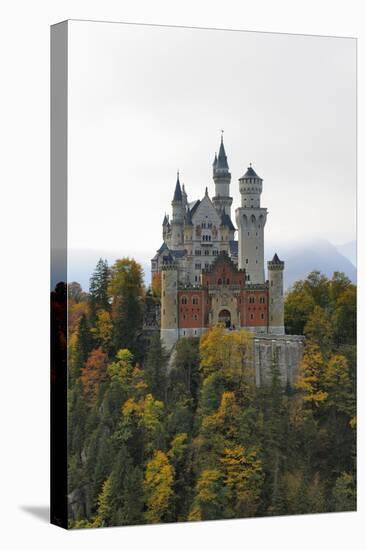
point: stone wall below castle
(283, 351)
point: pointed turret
(178, 216)
(221, 164)
(276, 260)
(276, 298)
(178, 191)
(184, 197)
(214, 164)
(222, 178)
(250, 174)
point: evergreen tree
(155, 368)
(98, 288)
(126, 289)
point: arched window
(227, 281)
(195, 300)
(219, 282)
(184, 300)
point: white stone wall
(169, 337)
(276, 301)
(169, 300)
(283, 351)
(250, 223)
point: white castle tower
(275, 294)
(222, 177)
(177, 223)
(251, 219)
(169, 307)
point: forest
(190, 437)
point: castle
(208, 277)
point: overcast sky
(145, 101)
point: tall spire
(221, 164)
(178, 190)
(222, 178)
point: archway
(225, 318)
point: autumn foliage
(157, 438)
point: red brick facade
(195, 304)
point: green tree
(155, 368)
(243, 478)
(98, 288)
(126, 290)
(318, 329)
(345, 316)
(104, 511)
(209, 502)
(299, 303)
(344, 493)
(338, 385)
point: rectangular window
(197, 252)
(197, 266)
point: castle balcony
(194, 286)
(212, 289)
(256, 286)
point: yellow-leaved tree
(159, 476)
(311, 376)
(243, 478)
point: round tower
(178, 217)
(250, 220)
(169, 304)
(222, 178)
(276, 322)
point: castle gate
(225, 317)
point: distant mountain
(319, 255)
(349, 250)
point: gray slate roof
(226, 220)
(178, 191)
(276, 260)
(250, 173)
(222, 158)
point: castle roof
(163, 247)
(169, 254)
(220, 259)
(250, 173)
(276, 260)
(178, 253)
(226, 220)
(221, 162)
(193, 206)
(178, 190)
